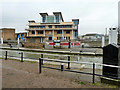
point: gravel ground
(25, 75)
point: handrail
(41, 59)
(77, 62)
(107, 65)
(65, 61)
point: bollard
(41, 59)
(40, 69)
(21, 56)
(68, 62)
(61, 67)
(6, 56)
(93, 73)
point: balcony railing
(51, 28)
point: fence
(41, 65)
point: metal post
(68, 62)
(61, 67)
(53, 44)
(60, 44)
(21, 56)
(69, 44)
(93, 73)
(40, 69)
(41, 59)
(6, 56)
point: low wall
(64, 44)
(35, 44)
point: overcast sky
(94, 15)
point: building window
(63, 26)
(67, 32)
(40, 32)
(60, 38)
(50, 38)
(32, 40)
(22, 36)
(17, 35)
(43, 19)
(42, 26)
(59, 32)
(69, 38)
(57, 18)
(50, 26)
(33, 32)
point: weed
(81, 82)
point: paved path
(25, 75)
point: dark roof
(7, 28)
(113, 44)
(20, 32)
(31, 21)
(42, 14)
(92, 34)
(76, 20)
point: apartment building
(52, 27)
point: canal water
(36, 55)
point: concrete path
(25, 75)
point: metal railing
(41, 64)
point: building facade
(21, 35)
(53, 27)
(7, 33)
(92, 37)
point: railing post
(21, 56)
(41, 59)
(6, 55)
(40, 69)
(62, 68)
(68, 62)
(53, 44)
(93, 73)
(69, 44)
